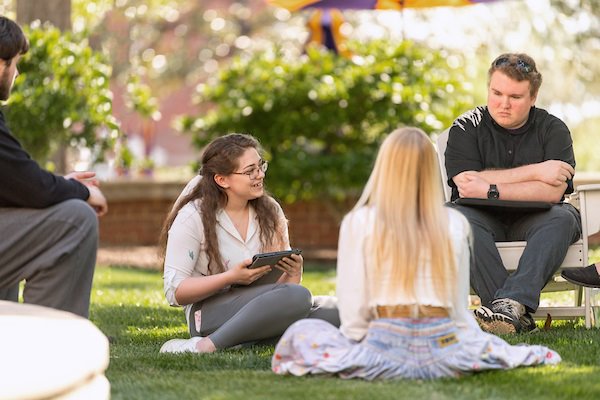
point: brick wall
(133, 223)
(314, 225)
(137, 210)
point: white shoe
(181, 345)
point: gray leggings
(256, 313)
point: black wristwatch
(493, 192)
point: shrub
(62, 95)
(321, 117)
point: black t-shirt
(476, 143)
(24, 184)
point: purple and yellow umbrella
(295, 5)
(327, 18)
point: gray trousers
(53, 250)
(258, 313)
(10, 293)
(548, 235)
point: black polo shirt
(24, 184)
(476, 143)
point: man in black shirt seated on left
(48, 222)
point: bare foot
(205, 345)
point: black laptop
(506, 205)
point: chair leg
(578, 296)
(588, 308)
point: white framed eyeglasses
(255, 172)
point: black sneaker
(506, 317)
(583, 276)
(527, 324)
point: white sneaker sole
(483, 313)
(180, 345)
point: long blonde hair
(411, 222)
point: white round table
(50, 354)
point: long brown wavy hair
(221, 157)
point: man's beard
(6, 83)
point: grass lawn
(128, 305)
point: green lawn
(128, 306)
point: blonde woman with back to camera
(402, 285)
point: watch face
(493, 192)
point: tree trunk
(58, 12)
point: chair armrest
(589, 206)
(589, 187)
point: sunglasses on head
(519, 64)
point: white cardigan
(186, 246)
(357, 308)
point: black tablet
(271, 258)
(507, 205)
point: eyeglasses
(254, 172)
(521, 65)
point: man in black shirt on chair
(49, 223)
(511, 150)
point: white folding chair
(587, 200)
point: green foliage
(578, 22)
(139, 97)
(124, 156)
(587, 145)
(321, 117)
(62, 95)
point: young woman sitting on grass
(222, 218)
(402, 284)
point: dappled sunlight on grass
(320, 281)
(156, 332)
